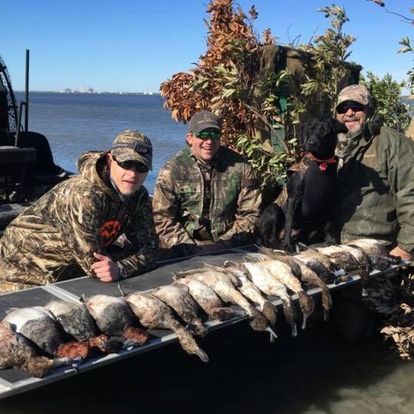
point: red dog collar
(323, 164)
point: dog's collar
(323, 164)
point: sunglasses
(205, 135)
(353, 107)
(132, 165)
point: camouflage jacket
(377, 188)
(178, 199)
(55, 238)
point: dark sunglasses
(205, 135)
(132, 165)
(342, 109)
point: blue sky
(133, 45)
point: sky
(134, 45)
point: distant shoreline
(97, 93)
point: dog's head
(319, 136)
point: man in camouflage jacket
(377, 178)
(98, 223)
(205, 195)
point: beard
(346, 141)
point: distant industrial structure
(91, 91)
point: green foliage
(261, 106)
(324, 69)
(327, 66)
(406, 47)
(405, 42)
(268, 161)
(386, 95)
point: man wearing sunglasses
(377, 177)
(98, 223)
(206, 197)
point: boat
(27, 169)
(14, 381)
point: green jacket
(55, 238)
(377, 188)
(178, 199)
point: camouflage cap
(203, 120)
(355, 93)
(131, 145)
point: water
(76, 123)
(316, 373)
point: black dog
(311, 188)
(271, 225)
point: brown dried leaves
(223, 78)
(401, 330)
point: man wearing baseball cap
(377, 177)
(98, 223)
(206, 196)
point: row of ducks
(37, 339)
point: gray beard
(346, 142)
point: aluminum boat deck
(14, 381)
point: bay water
(76, 123)
(317, 372)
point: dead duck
(361, 258)
(177, 296)
(222, 284)
(111, 314)
(305, 274)
(114, 318)
(261, 277)
(208, 300)
(155, 314)
(38, 325)
(252, 292)
(341, 257)
(313, 280)
(377, 252)
(77, 322)
(320, 264)
(17, 352)
(283, 273)
(74, 318)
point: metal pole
(26, 113)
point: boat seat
(13, 168)
(47, 179)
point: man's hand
(105, 269)
(397, 251)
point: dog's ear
(339, 126)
